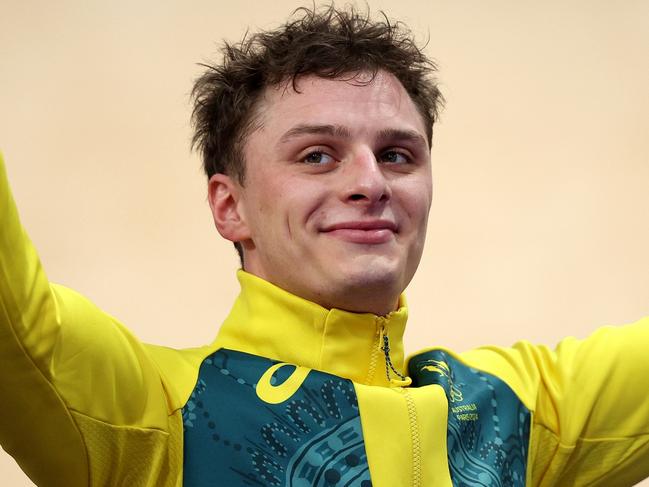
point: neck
(268, 321)
(378, 297)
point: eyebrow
(411, 136)
(340, 131)
(332, 130)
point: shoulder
(178, 369)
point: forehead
(361, 102)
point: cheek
(304, 200)
(282, 210)
(416, 199)
(266, 191)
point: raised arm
(593, 406)
(590, 404)
(32, 410)
(70, 373)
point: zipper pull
(384, 345)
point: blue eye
(395, 157)
(318, 157)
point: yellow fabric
(590, 400)
(389, 440)
(384, 420)
(270, 322)
(432, 411)
(85, 403)
(82, 399)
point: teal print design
(488, 425)
(233, 438)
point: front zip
(384, 344)
(414, 437)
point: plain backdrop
(540, 219)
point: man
(316, 141)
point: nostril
(356, 197)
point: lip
(363, 231)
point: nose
(364, 181)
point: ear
(224, 196)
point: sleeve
(590, 405)
(65, 365)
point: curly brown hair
(328, 42)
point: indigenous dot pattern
(488, 425)
(234, 438)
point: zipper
(382, 344)
(414, 437)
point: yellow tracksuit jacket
(293, 394)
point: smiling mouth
(363, 232)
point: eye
(395, 157)
(317, 158)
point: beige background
(539, 227)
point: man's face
(337, 191)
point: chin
(374, 276)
